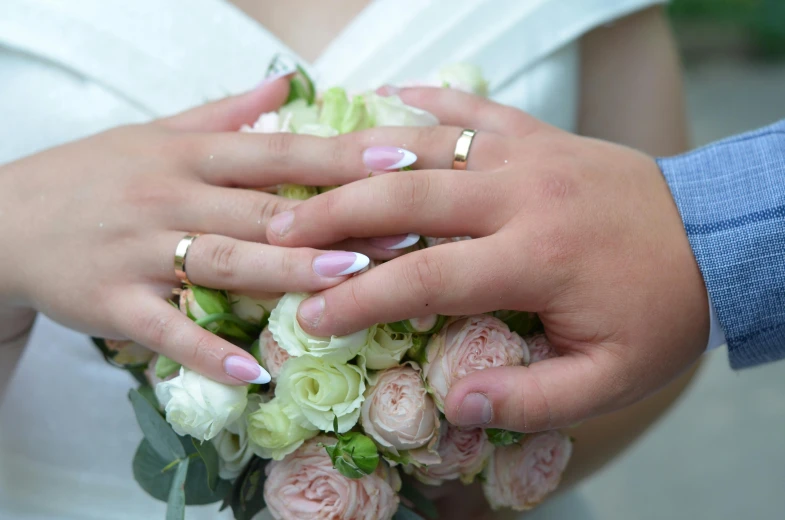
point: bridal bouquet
(348, 424)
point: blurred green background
(755, 27)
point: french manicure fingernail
(475, 410)
(395, 241)
(282, 222)
(339, 263)
(246, 370)
(388, 158)
(280, 66)
(311, 310)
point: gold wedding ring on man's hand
(462, 147)
(180, 254)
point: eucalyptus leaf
(404, 513)
(420, 501)
(156, 430)
(209, 455)
(248, 491)
(175, 506)
(148, 393)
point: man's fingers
(550, 394)
(229, 114)
(430, 203)
(157, 325)
(454, 279)
(457, 108)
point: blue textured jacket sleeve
(731, 196)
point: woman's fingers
(457, 108)
(229, 114)
(431, 203)
(154, 323)
(466, 277)
(235, 265)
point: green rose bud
(165, 367)
(325, 189)
(200, 302)
(297, 114)
(297, 191)
(356, 117)
(426, 325)
(500, 437)
(301, 87)
(354, 455)
(273, 432)
(335, 105)
(418, 349)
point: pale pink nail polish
(339, 263)
(388, 158)
(282, 222)
(246, 370)
(395, 241)
(311, 310)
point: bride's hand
(89, 229)
(583, 232)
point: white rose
(322, 392)
(249, 309)
(275, 431)
(268, 123)
(232, 444)
(292, 338)
(317, 129)
(465, 77)
(391, 111)
(298, 114)
(198, 406)
(386, 348)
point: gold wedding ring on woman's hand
(462, 147)
(180, 254)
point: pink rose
(540, 348)
(273, 356)
(466, 345)
(400, 416)
(464, 453)
(304, 485)
(520, 476)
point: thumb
(230, 113)
(554, 393)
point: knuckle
(263, 209)
(224, 259)
(424, 276)
(554, 188)
(278, 145)
(155, 330)
(551, 248)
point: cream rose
(466, 345)
(463, 452)
(272, 355)
(292, 338)
(249, 309)
(273, 432)
(321, 392)
(305, 486)
(520, 476)
(464, 76)
(400, 416)
(198, 406)
(386, 348)
(232, 443)
(391, 111)
(540, 348)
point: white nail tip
(263, 379)
(360, 262)
(410, 240)
(407, 159)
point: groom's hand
(583, 232)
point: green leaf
(499, 437)
(522, 323)
(404, 513)
(148, 393)
(155, 428)
(301, 87)
(209, 455)
(248, 491)
(165, 367)
(175, 506)
(420, 501)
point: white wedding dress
(69, 68)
